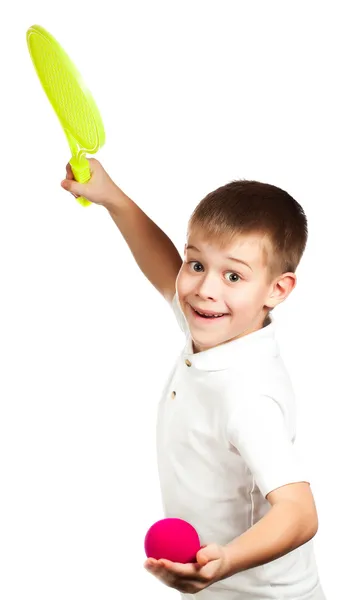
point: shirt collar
(258, 343)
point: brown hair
(246, 207)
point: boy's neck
(267, 320)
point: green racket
(70, 99)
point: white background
(192, 94)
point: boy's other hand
(211, 566)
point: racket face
(65, 89)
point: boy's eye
(194, 264)
(232, 276)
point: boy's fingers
(75, 188)
(150, 562)
(69, 172)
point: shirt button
(173, 394)
(188, 363)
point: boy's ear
(281, 288)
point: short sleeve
(179, 314)
(258, 431)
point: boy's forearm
(284, 528)
(154, 252)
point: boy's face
(231, 283)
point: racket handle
(81, 172)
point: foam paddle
(70, 99)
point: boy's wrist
(114, 200)
(231, 563)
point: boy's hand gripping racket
(71, 100)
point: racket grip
(81, 171)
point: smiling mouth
(211, 315)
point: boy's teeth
(205, 315)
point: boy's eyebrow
(238, 260)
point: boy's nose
(207, 289)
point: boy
(226, 420)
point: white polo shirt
(225, 431)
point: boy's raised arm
(154, 252)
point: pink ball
(173, 539)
